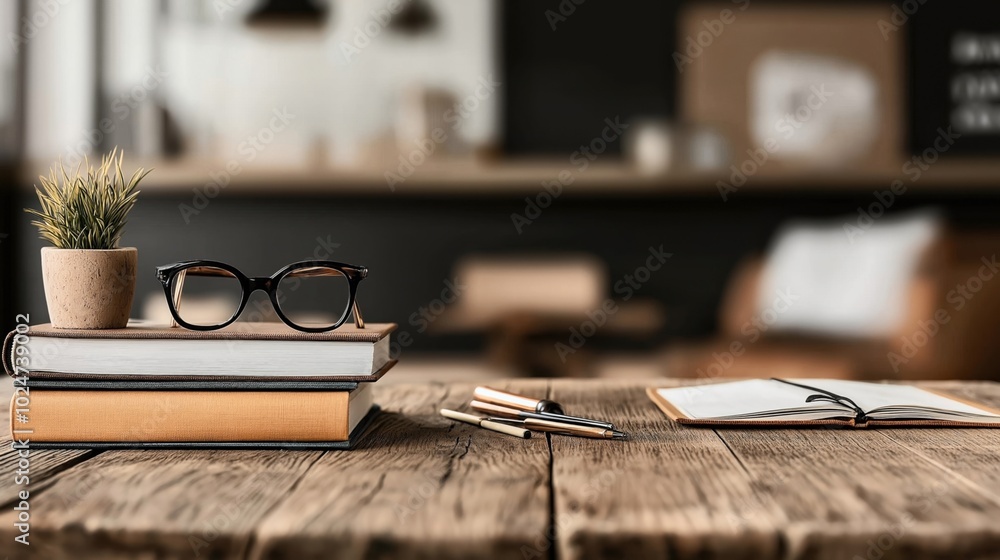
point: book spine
(8, 353)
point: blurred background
(543, 187)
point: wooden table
(423, 487)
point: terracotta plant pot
(89, 288)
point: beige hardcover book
(190, 416)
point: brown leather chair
(952, 330)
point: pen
(545, 409)
(500, 410)
(485, 423)
(566, 429)
(512, 400)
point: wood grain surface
(425, 487)
(775, 493)
(43, 462)
(421, 486)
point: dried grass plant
(89, 209)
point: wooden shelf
(525, 178)
(438, 177)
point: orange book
(188, 418)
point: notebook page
(871, 396)
(738, 398)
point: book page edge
(664, 405)
(956, 398)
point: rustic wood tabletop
(421, 486)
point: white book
(240, 351)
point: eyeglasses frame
(268, 284)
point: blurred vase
(651, 145)
(658, 146)
(89, 288)
(707, 149)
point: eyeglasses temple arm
(356, 311)
(176, 296)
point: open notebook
(786, 402)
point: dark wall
(411, 244)
(934, 71)
(605, 59)
(567, 67)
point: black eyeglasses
(310, 296)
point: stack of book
(248, 385)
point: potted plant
(89, 281)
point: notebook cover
(677, 416)
(262, 331)
(352, 440)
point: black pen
(506, 412)
(549, 410)
(562, 428)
